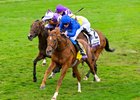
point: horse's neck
(63, 43)
(43, 38)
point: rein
(67, 44)
(65, 41)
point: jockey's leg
(78, 46)
(88, 30)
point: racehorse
(104, 44)
(38, 29)
(63, 54)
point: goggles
(66, 23)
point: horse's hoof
(34, 79)
(42, 87)
(98, 80)
(85, 78)
(50, 77)
(53, 98)
(79, 91)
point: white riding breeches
(84, 23)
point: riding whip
(78, 10)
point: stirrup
(84, 57)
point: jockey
(62, 10)
(72, 30)
(52, 19)
(85, 25)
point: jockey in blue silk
(62, 10)
(71, 28)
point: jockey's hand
(65, 33)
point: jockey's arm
(61, 27)
(72, 32)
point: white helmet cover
(49, 15)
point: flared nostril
(29, 37)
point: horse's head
(52, 41)
(36, 28)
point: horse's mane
(36, 20)
(57, 31)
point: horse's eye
(35, 32)
(54, 40)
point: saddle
(92, 37)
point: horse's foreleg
(39, 57)
(55, 70)
(97, 79)
(95, 58)
(48, 71)
(93, 71)
(34, 71)
(44, 62)
(63, 73)
(75, 70)
(92, 66)
(87, 76)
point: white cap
(48, 15)
(59, 18)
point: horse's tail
(107, 46)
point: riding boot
(89, 33)
(84, 56)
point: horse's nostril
(48, 51)
(30, 37)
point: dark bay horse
(63, 54)
(104, 44)
(38, 30)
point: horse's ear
(49, 31)
(49, 11)
(42, 22)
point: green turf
(119, 20)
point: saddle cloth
(94, 40)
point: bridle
(65, 40)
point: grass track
(119, 71)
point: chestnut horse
(63, 54)
(104, 44)
(38, 29)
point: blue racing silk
(72, 28)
